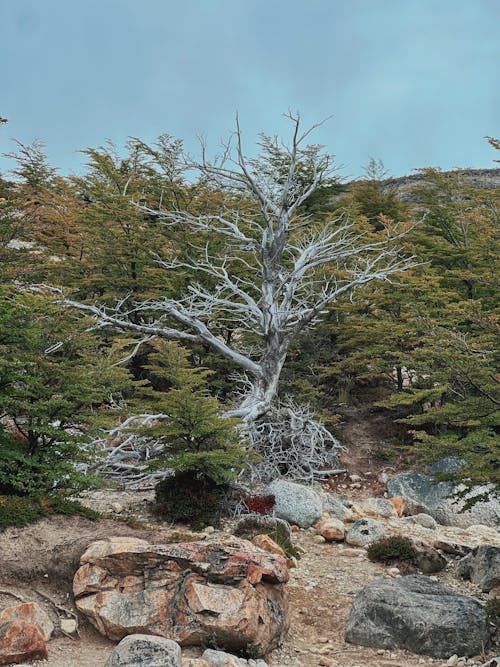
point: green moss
(390, 549)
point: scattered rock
(481, 566)
(33, 614)
(428, 559)
(338, 509)
(226, 590)
(398, 504)
(145, 651)
(424, 520)
(331, 529)
(21, 641)
(295, 503)
(364, 532)
(422, 494)
(68, 625)
(417, 614)
(265, 543)
(377, 507)
(222, 659)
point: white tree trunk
(287, 254)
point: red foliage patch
(260, 504)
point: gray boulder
(424, 520)
(221, 659)
(417, 614)
(145, 651)
(339, 508)
(295, 503)
(482, 567)
(364, 532)
(423, 495)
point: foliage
(20, 511)
(390, 549)
(195, 437)
(51, 396)
(260, 504)
(189, 497)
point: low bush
(20, 511)
(391, 549)
(191, 498)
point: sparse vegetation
(392, 549)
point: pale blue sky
(413, 82)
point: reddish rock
(331, 529)
(226, 589)
(31, 613)
(399, 504)
(21, 641)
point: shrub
(260, 504)
(390, 549)
(19, 511)
(278, 530)
(189, 497)
(59, 505)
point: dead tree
(294, 268)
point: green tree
(52, 396)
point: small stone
(331, 529)
(398, 503)
(209, 530)
(117, 508)
(319, 539)
(68, 625)
(452, 661)
(355, 478)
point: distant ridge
(482, 179)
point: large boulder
(295, 503)
(145, 651)
(417, 614)
(482, 567)
(224, 590)
(422, 494)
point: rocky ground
(38, 563)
